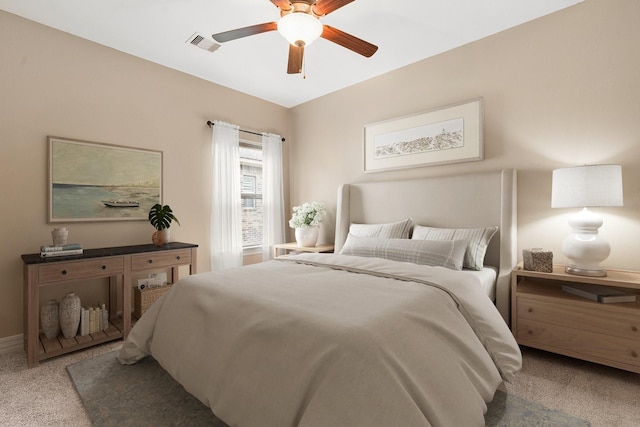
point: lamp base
(584, 247)
(585, 272)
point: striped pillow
(478, 239)
(440, 253)
(391, 230)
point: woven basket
(143, 298)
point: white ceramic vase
(49, 319)
(59, 236)
(307, 237)
(70, 315)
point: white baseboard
(10, 344)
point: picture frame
(449, 134)
(93, 181)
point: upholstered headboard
(459, 201)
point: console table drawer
(591, 317)
(160, 259)
(80, 269)
(600, 346)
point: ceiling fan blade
(244, 32)
(282, 4)
(347, 40)
(296, 54)
(325, 7)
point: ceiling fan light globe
(299, 28)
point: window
(249, 190)
(251, 176)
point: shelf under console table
(112, 263)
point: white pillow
(478, 239)
(391, 230)
(440, 253)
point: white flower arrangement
(310, 214)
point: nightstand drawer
(591, 317)
(578, 342)
(80, 269)
(160, 259)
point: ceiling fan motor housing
(299, 24)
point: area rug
(144, 394)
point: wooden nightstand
(546, 317)
(289, 247)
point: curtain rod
(210, 124)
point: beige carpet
(607, 397)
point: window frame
(244, 143)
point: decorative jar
(70, 315)
(59, 236)
(49, 319)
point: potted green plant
(161, 217)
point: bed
(361, 337)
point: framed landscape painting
(444, 135)
(90, 181)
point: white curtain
(272, 194)
(226, 209)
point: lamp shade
(299, 28)
(587, 186)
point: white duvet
(331, 340)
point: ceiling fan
(300, 25)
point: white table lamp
(586, 186)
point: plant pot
(307, 237)
(161, 237)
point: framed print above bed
(90, 181)
(448, 134)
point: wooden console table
(121, 261)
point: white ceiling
(158, 30)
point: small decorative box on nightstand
(546, 317)
(537, 259)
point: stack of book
(65, 250)
(93, 319)
(603, 294)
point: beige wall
(52, 83)
(562, 90)
(559, 91)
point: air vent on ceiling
(202, 42)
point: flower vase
(70, 315)
(49, 319)
(307, 237)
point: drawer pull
(530, 310)
(150, 261)
(64, 272)
(104, 267)
(634, 354)
(634, 328)
(530, 332)
(178, 257)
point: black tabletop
(104, 252)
